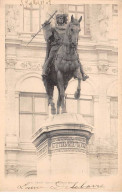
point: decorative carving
(43, 149)
(62, 144)
(103, 66)
(83, 139)
(29, 66)
(103, 21)
(11, 169)
(10, 63)
(66, 144)
(69, 150)
(114, 70)
(12, 18)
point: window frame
(84, 98)
(33, 113)
(116, 100)
(114, 10)
(85, 12)
(31, 9)
(112, 117)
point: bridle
(69, 34)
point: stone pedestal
(61, 145)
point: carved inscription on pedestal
(68, 144)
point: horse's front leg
(77, 93)
(61, 91)
(52, 104)
(77, 74)
(50, 98)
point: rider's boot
(44, 70)
(85, 76)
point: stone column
(17, 114)
(61, 145)
(11, 149)
(11, 138)
(96, 115)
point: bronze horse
(64, 67)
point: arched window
(33, 106)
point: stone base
(61, 145)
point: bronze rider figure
(54, 38)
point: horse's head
(73, 30)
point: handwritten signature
(27, 3)
(59, 185)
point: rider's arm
(47, 29)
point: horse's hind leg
(77, 93)
(49, 89)
(79, 77)
(50, 99)
(61, 90)
(58, 102)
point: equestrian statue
(62, 61)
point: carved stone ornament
(11, 169)
(10, 63)
(114, 70)
(103, 21)
(29, 66)
(12, 18)
(103, 66)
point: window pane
(71, 105)
(80, 8)
(40, 104)
(71, 8)
(35, 20)
(26, 20)
(25, 127)
(114, 108)
(38, 121)
(26, 104)
(85, 107)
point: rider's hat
(62, 15)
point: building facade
(26, 100)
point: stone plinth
(61, 145)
